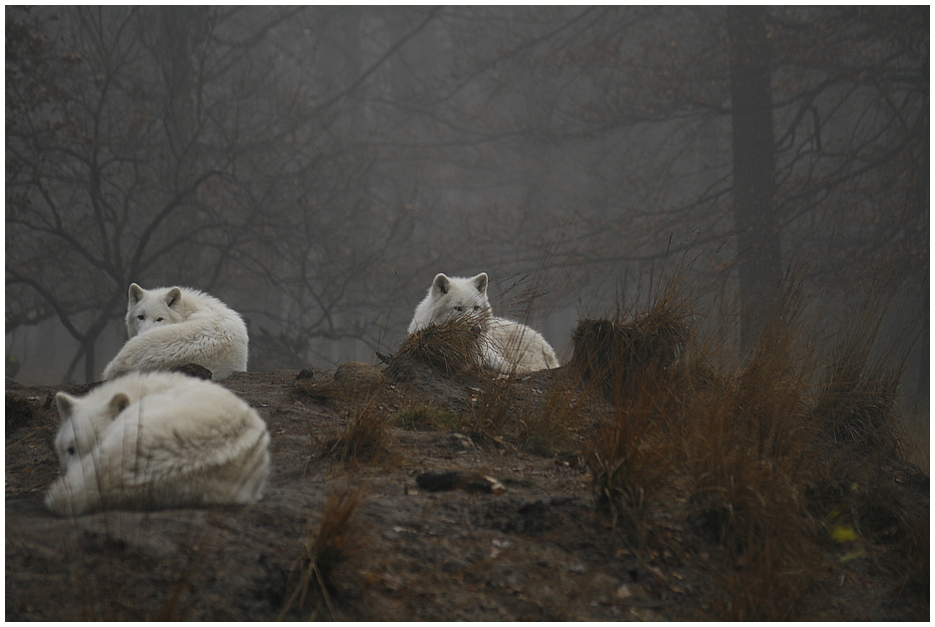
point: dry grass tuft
(336, 541)
(640, 367)
(450, 347)
(752, 504)
(489, 421)
(915, 549)
(615, 356)
(857, 397)
(629, 468)
(540, 419)
(550, 425)
(365, 438)
(749, 453)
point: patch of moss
(425, 418)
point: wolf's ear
(66, 405)
(173, 297)
(117, 404)
(136, 293)
(441, 285)
(480, 281)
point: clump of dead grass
(365, 438)
(507, 414)
(547, 426)
(749, 450)
(635, 365)
(335, 542)
(493, 411)
(915, 550)
(450, 347)
(628, 468)
(617, 356)
(857, 394)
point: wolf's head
(150, 308)
(83, 421)
(455, 297)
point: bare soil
(539, 549)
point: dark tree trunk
(759, 262)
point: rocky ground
(518, 536)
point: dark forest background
(314, 167)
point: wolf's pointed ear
(136, 293)
(117, 404)
(441, 285)
(173, 297)
(480, 281)
(66, 405)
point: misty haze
(315, 168)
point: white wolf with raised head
(157, 440)
(506, 345)
(174, 326)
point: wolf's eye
(459, 309)
(141, 317)
(158, 319)
(476, 307)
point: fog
(315, 167)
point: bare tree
(200, 152)
(125, 194)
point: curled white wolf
(157, 440)
(174, 326)
(506, 345)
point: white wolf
(174, 326)
(157, 440)
(506, 346)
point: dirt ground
(539, 549)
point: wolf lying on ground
(174, 326)
(506, 345)
(157, 440)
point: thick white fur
(514, 347)
(451, 297)
(157, 440)
(174, 326)
(506, 346)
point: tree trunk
(759, 262)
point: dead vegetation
(619, 357)
(364, 438)
(420, 417)
(759, 454)
(450, 347)
(331, 544)
(720, 488)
